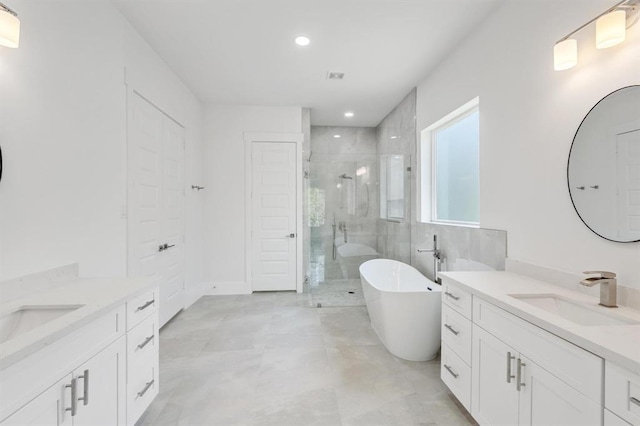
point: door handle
(451, 329)
(290, 236)
(85, 396)
(450, 370)
(146, 342)
(167, 246)
(509, 375)
(161, 248)
(451, 295)
(519, 366)
(74, 400)
(145, 389)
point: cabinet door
(48, 408)
(494, 399)
(101, 387)
(546, 400)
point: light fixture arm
(8, 10)
(621, 4)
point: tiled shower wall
(353, 201)
(463, 248)
(396, 134)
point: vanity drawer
(456, 374)
(581, 370)
(141, 390)
(140, 307)
(142, 344)
(456, 333)
(458, 299)
(622, 392)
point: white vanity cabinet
(455, 356)
(524, 375)
(93, 393)
(507, 371)
(89, 377)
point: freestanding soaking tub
(404, 307)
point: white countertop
(616, 343)
(98, 297)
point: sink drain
(352, 292)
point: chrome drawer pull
(146, 305)
(635, 401)
(85, 396)
(453, 296)
(146, 388)
(509, 375)
(146, 342)
(74, 400)
(519, 384)
(455, 376)
(451, 329)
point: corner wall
(63, 136)
(224, 203)
(528, 116)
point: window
(450, 190)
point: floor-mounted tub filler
(404, 307)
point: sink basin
(574, 311)
(29, 317)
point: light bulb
(565, 54)
(611, 29)
(9, 29)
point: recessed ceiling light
(302, 41)
(349, 114)
(336, 136)
(394, 137)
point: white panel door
(494, 399)
(155, 202)
(547, 401)
(144, 196)
(172, 258)
(628, 180)
(274, 203)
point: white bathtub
(404, 307)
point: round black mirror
(603, 171)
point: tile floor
(270, 359)
(339, 292)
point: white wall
(63, 135)
(528, 116)
(224, 212)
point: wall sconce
(9, 27)
(611, 26)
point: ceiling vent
(333, 75)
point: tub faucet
(608, 287)
(437, 259)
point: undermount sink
(574, 311)
(29, 317)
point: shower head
(344, 176)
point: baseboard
(226, 288)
